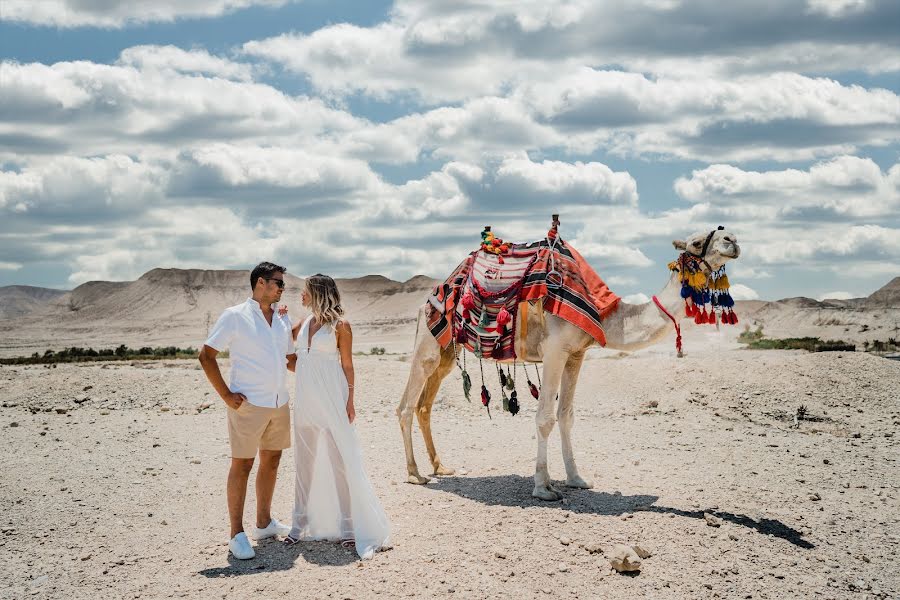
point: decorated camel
(542, 303)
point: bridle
(702, 256)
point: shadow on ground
(515, 490)
(272, 555)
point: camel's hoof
(418, 479)
(546, 493)
(578, 482)
(443, 471)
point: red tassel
(699, 319)
(497, 352)
(467, 315)
(468, 300)
(461, 335)
(503, 319)
(734, 319)
(534, 391)
(500, 260)
(712, 317)
(687, 310)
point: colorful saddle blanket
(469, 306)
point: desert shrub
(376, 350)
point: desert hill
(18, 300)
(876, 317)
(177, 306)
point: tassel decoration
(513, 403)
(503, 319)
(467, 385)
(486, 399)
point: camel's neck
(636, 326)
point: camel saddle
(479, 304)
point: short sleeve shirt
(257, 350)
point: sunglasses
(278, 282)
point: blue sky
(357, 138)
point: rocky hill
(18, 300)
(177, 306)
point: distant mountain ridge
(176, 307)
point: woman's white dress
(333, 498)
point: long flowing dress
(333, 497)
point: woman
(333, 496)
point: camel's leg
(425, 360)
(554, 364)
(423, 410)
(566, 415)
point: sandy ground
(123, 495)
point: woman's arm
(345, 348)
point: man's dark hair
(264, 270)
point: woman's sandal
(289, 541)
(348, 543)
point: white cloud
(846, 186)
(177, 60)
(82, 188)
(835, 296)
(740, 291)
(588, 183)
(119, 13)
(99, 109)
(10, 266)
(636, 298)
(836, 8)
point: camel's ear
(679, 244)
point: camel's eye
(696, 244)
(729, 240)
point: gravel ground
(698, 460)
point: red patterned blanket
(478, 304)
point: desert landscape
(114, 471)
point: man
(262, 350)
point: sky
(357, 138)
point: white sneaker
(240, 547)
(275, 528)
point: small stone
(732, 537)
(654, 403)
(195, 461)
(815, 497)
(87, 387)
(565, 541)
(164, 409)
(14, 424)
(563, 568)
(500, 554)
(104, 412)
(61, 410)
(826, 461)
(86, 556)
(641, 551)
(81, 398)
(623, 559)
(593, 548)
(712, 520)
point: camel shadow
(515, 491)
(272, 555)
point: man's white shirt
(258, 352)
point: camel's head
(713, 248)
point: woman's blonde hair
(324, 299)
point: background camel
(561, 347)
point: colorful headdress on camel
(700, 288)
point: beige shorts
(252, 428)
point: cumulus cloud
(177, 60)
(846, 186)
(638, 298)
(119, 13)
(739, 291)
(136, 108)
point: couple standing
(333, 499)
